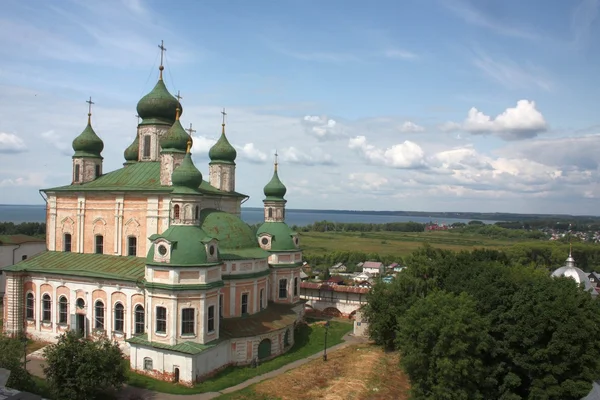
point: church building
(155, 257)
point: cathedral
(155, 257)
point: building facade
(154, 256)
(15, 248)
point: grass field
(394, 243)
(309, 340)
(354, 373)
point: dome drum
(185, 212)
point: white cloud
(11, 143)
(405, 155)
(520, 122)
(400, 54)
(201, 145)
(367, 180)
(29, 179)
(511, 75)
(409, 126)
(316, 156)
(251, 153)
(323, 128)
(58, 142)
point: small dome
(131, 153)
(229, 229)
(88, 144)
(569, 270)
(158, 106)
(189, 245)
(176, 138)
(275, 189)
(282, 236)
(187, 174)
(222, 151)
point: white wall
(16, 252)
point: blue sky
(437, 105)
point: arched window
(296, 286)
(197, 213)
(270, 211)
(176, 211)
(76, 172)
(148, 364)
(119, 317)
(97, 171)
(99, 315)
(67, 242)
(46, 308)
(30, 306)
(147, 146)
(140, 317)
(63, 310)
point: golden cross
(190, 130)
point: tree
(442, 339)
(79, 369)
(11, 358)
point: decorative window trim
(208, 319)
(166, 320)
(46, 320)
(135, 321)
(30, 292)
(60, 311)
(193, 320)
(122, 319)
(279, 289)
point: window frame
(137, 322)
(284, 288)
(210, 323)
(261, 299)
(99, 320)
(77, 173)
(119, 308)
(67, 249)
(245, 295)
(46, 308)
(63, 310)
(296, 286)
(221, 305)
(131, 246)
(160, 319)
(30, 306)
(148, 361)
(99, 244)
(188, 321)
(147, 150)
(176, 211)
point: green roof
(186, 174)
(187, 246)
(188, 347)
(282, 235)
(276, 316)
(236, 239)
(139, 176)
(175, 139)
(88, 144)
(86, 265)
(158, 106)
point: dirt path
(35, 366)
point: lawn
(357, 372)
(394, 243)
(309, 340)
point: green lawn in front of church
(310, 339)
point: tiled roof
(87, 265)
(335, 288)
(139, 176)
(19, 239)
(275, 316)
(188, 347)
(372, 264)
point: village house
(373, 268)
(15, 248)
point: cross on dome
(162, 52)
(190, 130)
(90, 102)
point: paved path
(35, 363)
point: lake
(37, 213)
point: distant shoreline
(496, 216)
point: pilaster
(51, 242)
(151, 220)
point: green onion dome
(275, 189)
(187, 174)
(222, 151)
(131, 153)
(158, 106)
(88, 144)
(176, 138)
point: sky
(417, 105)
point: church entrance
(264, 349)
(176, 377)
(80, 324)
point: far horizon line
(407, 212)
